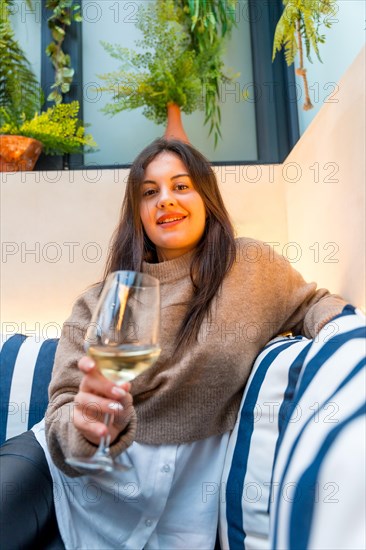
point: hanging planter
(174, 127)
(180, 65)
(298, 31)
(18, 153)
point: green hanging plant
(300, 25)
(209, 22)
(64, 12)
(181, 62)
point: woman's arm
(278, 293)
(307, 308)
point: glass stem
(103, 448)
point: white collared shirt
(168, 499)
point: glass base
(92, 465)
(95, 464)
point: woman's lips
(170, 220)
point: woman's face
(172, 211)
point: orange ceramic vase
(174, 128)
(18, 153)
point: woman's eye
(148, 192)
(182, 186)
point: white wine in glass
(124, 364)
(123, 340)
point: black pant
(28, 519)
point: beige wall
(55, 230)
(326, 207)
(55, 227)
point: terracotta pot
(174, 128)
(18, 153)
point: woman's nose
(166, 199)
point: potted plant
(56, 131)
(299, 26)
(24, 131)
(181, 66)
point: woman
(222, 300)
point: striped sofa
(294, 474)
(25, 373)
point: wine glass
(122, 338)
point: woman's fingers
(94, 407)
(122, 417)
(90, 411)
(91, 427)
(94, 382)
(99, 396)
(86, 364)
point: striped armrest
(320, 477)
(246, 482)
(296, 409)
(25, 372)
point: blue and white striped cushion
(319, 476)
(25, 372)
(245, 488)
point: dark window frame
(276, 113)
(275, 110)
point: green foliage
(20, 93)
(208, 22)
(165, 73)
(58, 129)
(64, 12)
(210, 17)
(181, 61)
(304, 17)
(21, 99)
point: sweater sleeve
(63, 439)
(306, 309)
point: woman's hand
(96, 397)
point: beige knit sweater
(185, 399)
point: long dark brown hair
(215, 252)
